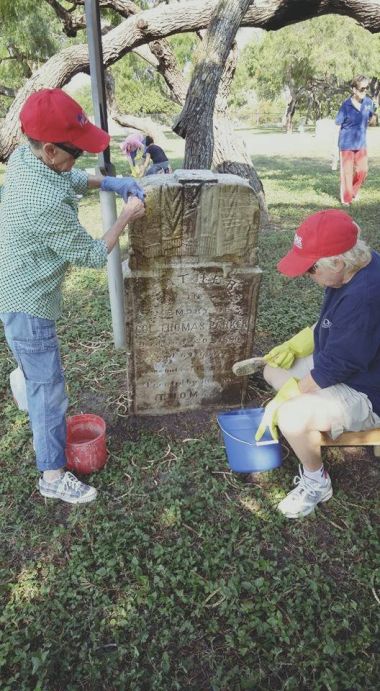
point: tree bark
(166, 20)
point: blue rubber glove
(123, 186)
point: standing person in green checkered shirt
(40, 237)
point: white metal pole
(114, 272)
(107, 199)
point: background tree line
(305, 69)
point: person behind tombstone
(40, 237)
(155, 159)
(133, 147)
(327, 376)
(353, 118)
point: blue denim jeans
(34, 344)
(156, 167)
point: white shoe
(304, 498)
(67, 488)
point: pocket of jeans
(41, 328)
(40, 359)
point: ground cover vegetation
(182, 575)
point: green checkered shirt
(40, 235)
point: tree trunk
(195, 123)
(288, 115)
(231, 156)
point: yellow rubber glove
(301, 345)
(135, 172)
(269, 420)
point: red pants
(353, 172)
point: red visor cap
(324, 234)
(51, 115)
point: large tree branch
(156, 53)
(270, 15)
(267, 14)
(71, 23)
(167, 67)
(166, 20)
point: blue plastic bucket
(244, 454)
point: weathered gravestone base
(191, 289)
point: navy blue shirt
(353, 124)
(347, 335)
(156, 153)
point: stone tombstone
(191, 287)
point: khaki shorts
(354, 411)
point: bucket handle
(258, 443)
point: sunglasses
(72, 150)
(363, 88)
(312, 269)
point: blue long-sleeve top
(353, 124)
(347, 335)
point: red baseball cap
(324, 234)
(51, 115)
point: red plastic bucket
(86, 443)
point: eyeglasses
(363, 88)
(72, 150)
(312, 269)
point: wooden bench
(370, 437)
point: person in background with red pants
(353, 118)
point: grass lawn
(182, 575)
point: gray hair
(36, 145)
(354, 259)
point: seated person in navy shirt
(327, 377)
(353, 118)
(156, 160)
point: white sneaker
(68, 488)
(304, 498)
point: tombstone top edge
(195, 177)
